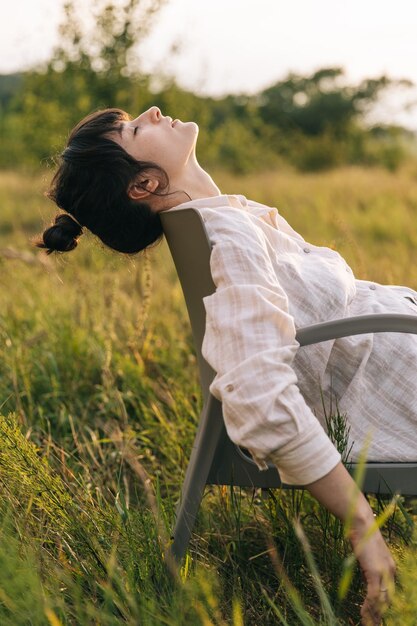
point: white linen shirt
(269, 282)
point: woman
(116, 175)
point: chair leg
(206, 441)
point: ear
(142, 187)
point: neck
(195, 181)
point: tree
(97, 64)
(320, 102)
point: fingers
(379, 596)
(373, 609)
(378, 568)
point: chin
(194, 126)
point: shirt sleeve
(250, 343)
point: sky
(243, 46)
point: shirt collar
(236, 201)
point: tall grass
(100, 398)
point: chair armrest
(377, 323)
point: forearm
(338, 492)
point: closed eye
(135, 130)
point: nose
(153, 114)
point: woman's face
(153, 137)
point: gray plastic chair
(214, 458)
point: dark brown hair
(91, 185)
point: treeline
(312, 122)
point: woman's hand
(378, 568)
(338, 492)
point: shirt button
(306, 250)
(372, 287)
(229, 387)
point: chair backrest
(190, 249)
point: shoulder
(229, 223)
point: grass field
(100, 398)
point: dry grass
(96, 358)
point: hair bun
(62, 236)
